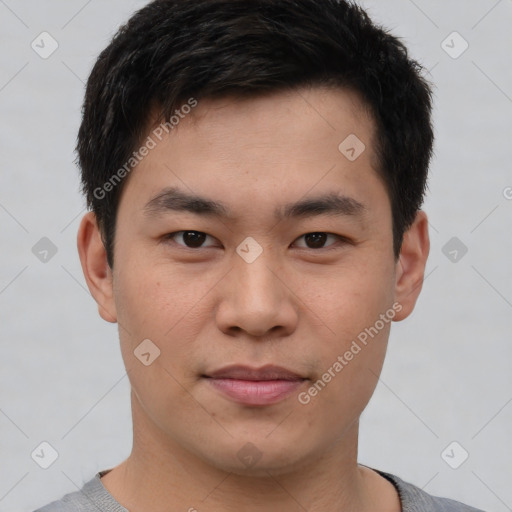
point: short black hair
(173, 50)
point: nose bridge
(254, 298)
(255, 281)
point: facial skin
(299, 305)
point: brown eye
(317, 240)
(190, 239)
(193, 238)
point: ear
(97, 272)
(410, 267)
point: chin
(260, 457)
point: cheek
(154, 299)
(161, 305)
(354, 297)
(347, 378)
(357, 305)
(169, 306)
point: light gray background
(447, 376)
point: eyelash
(341, 239)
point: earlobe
(97, 272)
(410, 267)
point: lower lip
(256, 392)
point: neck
(162, 476)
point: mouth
(255, 386)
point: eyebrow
(173, 199)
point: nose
(257, 299)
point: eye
(317, 239)
(191, 239)
(196, 239)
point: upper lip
(268, 372)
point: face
(292, 268)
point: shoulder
(92, 497)
(415, 499)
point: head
(255, 172)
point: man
(255, 172)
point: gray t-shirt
(94, 497)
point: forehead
(316, 140)
(315, 109)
